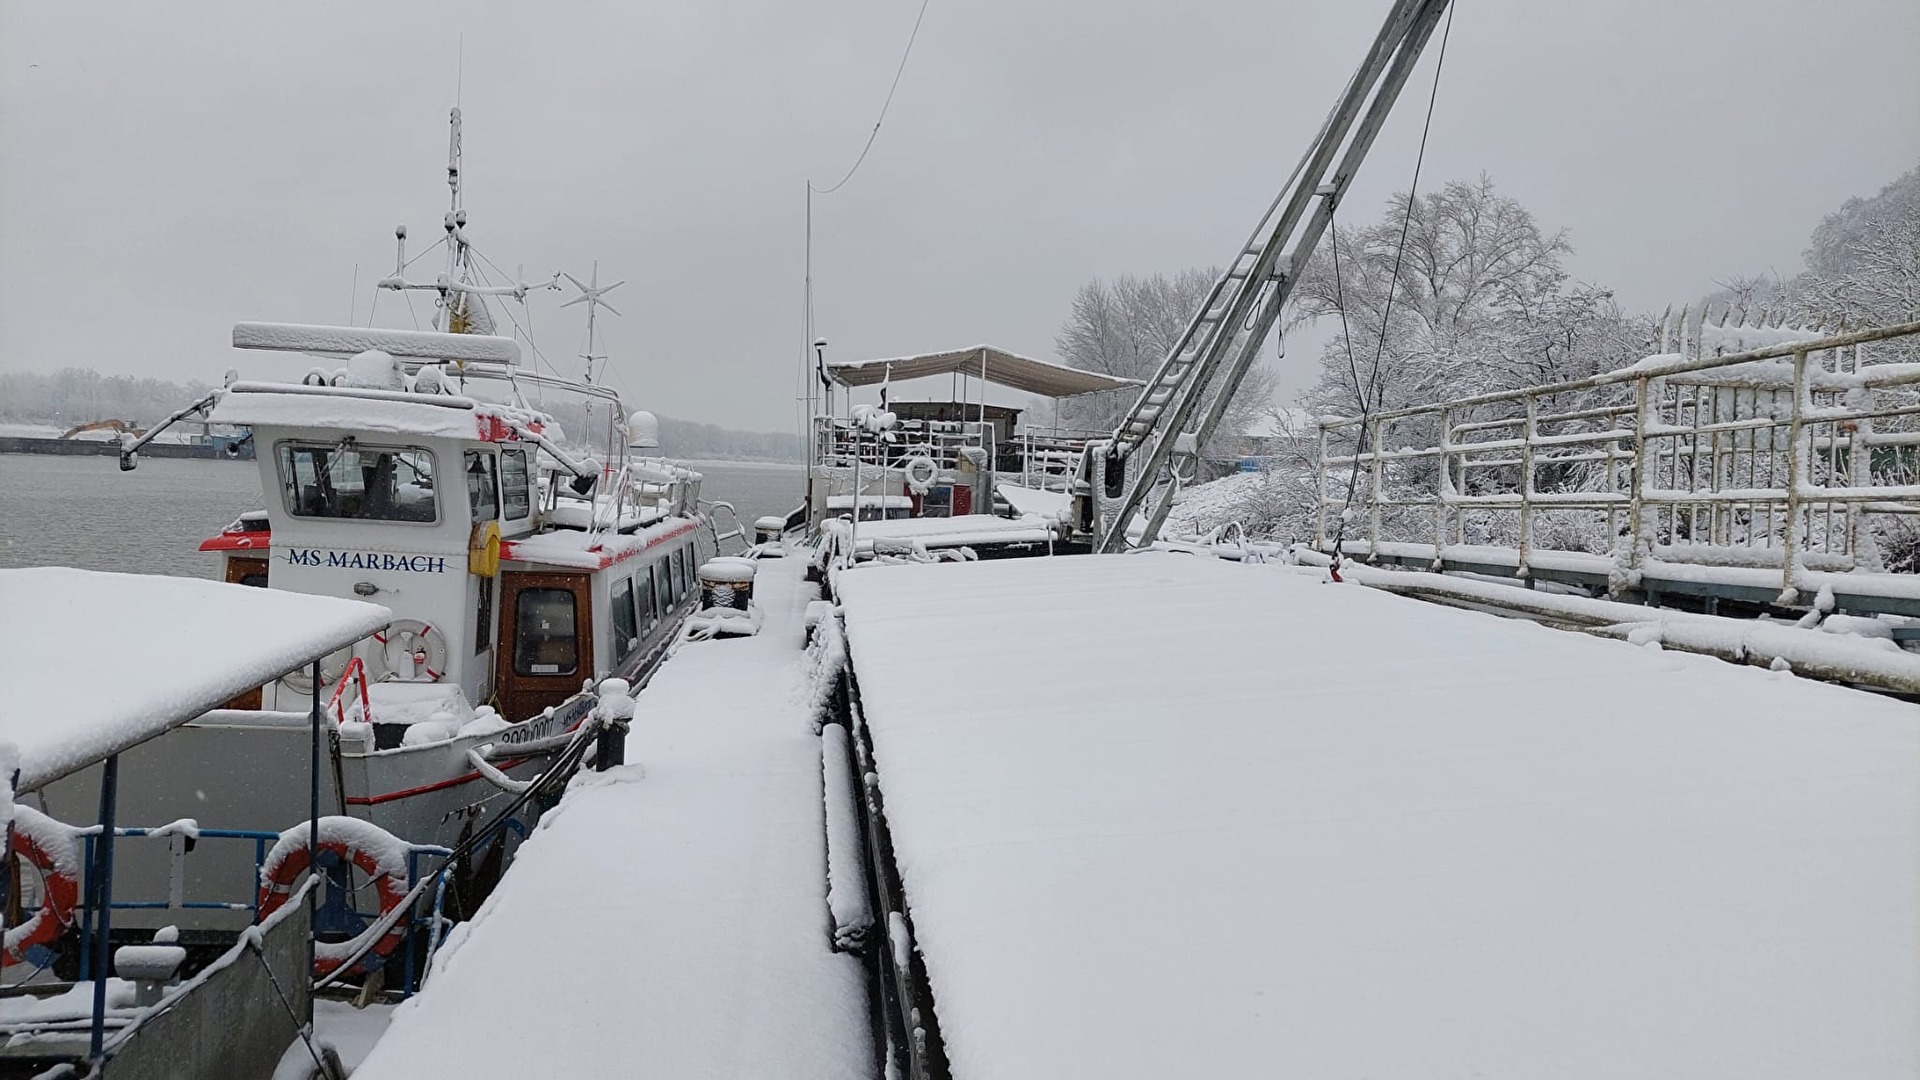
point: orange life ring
(51, 848)
(378, 853)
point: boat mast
(453, 304)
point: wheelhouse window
(360, 483)
(626, 632)
(516, 484)
(483, 488)
(662, 598)
(643, 599)
(545, 640)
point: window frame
(492, 471)
(283, 465)
(526, 483)
(662, 589)
(626, 638)
(645, 580)
(573, 632)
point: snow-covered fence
(1750, 446)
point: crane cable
(1372, 390)
(884, 106)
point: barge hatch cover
(1157, 815)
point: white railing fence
(1748, 446)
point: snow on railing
(1773, 457)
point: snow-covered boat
(535, 553)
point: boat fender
(921, 473)
(408, 650)
(52, 849)
(378, 854)
(483, 550)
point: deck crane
(1141, 466)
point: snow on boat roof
(996, 366)
(92, 663)
(352, 340)
(592, 551)
(393, 412)
(1207, 819)
(935, 532)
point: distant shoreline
(734, 463)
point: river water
(85, 512)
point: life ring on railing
(332, 666)
(408, 650)
(921, 473)
(51, 848)
(378, 853)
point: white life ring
(408, 650)
(331, 666)
(921, 473)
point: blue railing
(337, 910)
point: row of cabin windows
(644, 599)
(545, 634)
(396, 483)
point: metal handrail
(1670, 458)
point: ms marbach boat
(525, 569)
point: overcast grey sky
(168, 169)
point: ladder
(1158, 442)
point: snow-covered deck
(669, 919)
(93, 663)
(1196, 818)
(941, 532)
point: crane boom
(1175, 415)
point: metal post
(1442, 496)
(1796, 465)
(1373, 540)
(1320, 491)
(313, 807)
(101, 879)
(1642, 483)
(6, 877)
(1526, 487)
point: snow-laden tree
(1863, 263)
(1126, 327)
(1481, 301)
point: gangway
(1141, 465)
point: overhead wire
(884, 106)
(1370, 395)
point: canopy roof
(93, 663)
(982, 362)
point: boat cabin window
(643, 598)
(626, 633)
(483, 489)
(662, 592)
(363, 483)
(516, 492)
(544, 641)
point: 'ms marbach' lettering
(368, 560)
